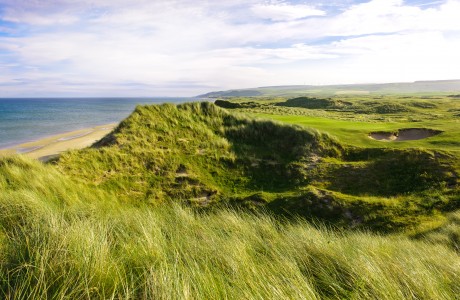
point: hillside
(417, 87)
(202, 155)
(195, 202)
(68, 240)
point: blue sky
(188, 47)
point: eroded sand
(408, 134)
(52, 146)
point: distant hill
(233, 93)
(439, 86)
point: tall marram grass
(200, 153)
(64, 240)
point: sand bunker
(408, 134)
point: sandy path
(49, 147)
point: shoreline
(49, 147)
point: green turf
(356, 133)
(352, 123)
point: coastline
(50, 147)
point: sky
(147, 48)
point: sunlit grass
(193, 202)
(61, 239)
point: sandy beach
(49, 147)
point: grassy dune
(195, 202)
(202, 155)
(62, 239)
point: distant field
(444, 87)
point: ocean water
(23, 120)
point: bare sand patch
(407, 134)
(52, 146)
(383, 136)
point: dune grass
(448, 234)
(67, 240)
(203, 155)
(194, 202)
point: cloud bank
(182, 47)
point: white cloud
(389, 16)
(283, 11)
(156, 45)
(32, 18)
(389, 58)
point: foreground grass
(62, 239)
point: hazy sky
(185, 47)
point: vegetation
(446, 87)
(62, 239)
(228, 104)
(351, 124)
(194, 201)
(314, 103)
(215, 158)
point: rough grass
(202, 155)
(313, 103)
(130, 218)
(68, 240)
(448, 234)
(161, 151)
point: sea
(30, 119)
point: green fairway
(356, 133)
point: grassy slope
(106, 222)
(216, 157)
(351, 118)
(351, 124)
(69, 240)
(190, 150)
